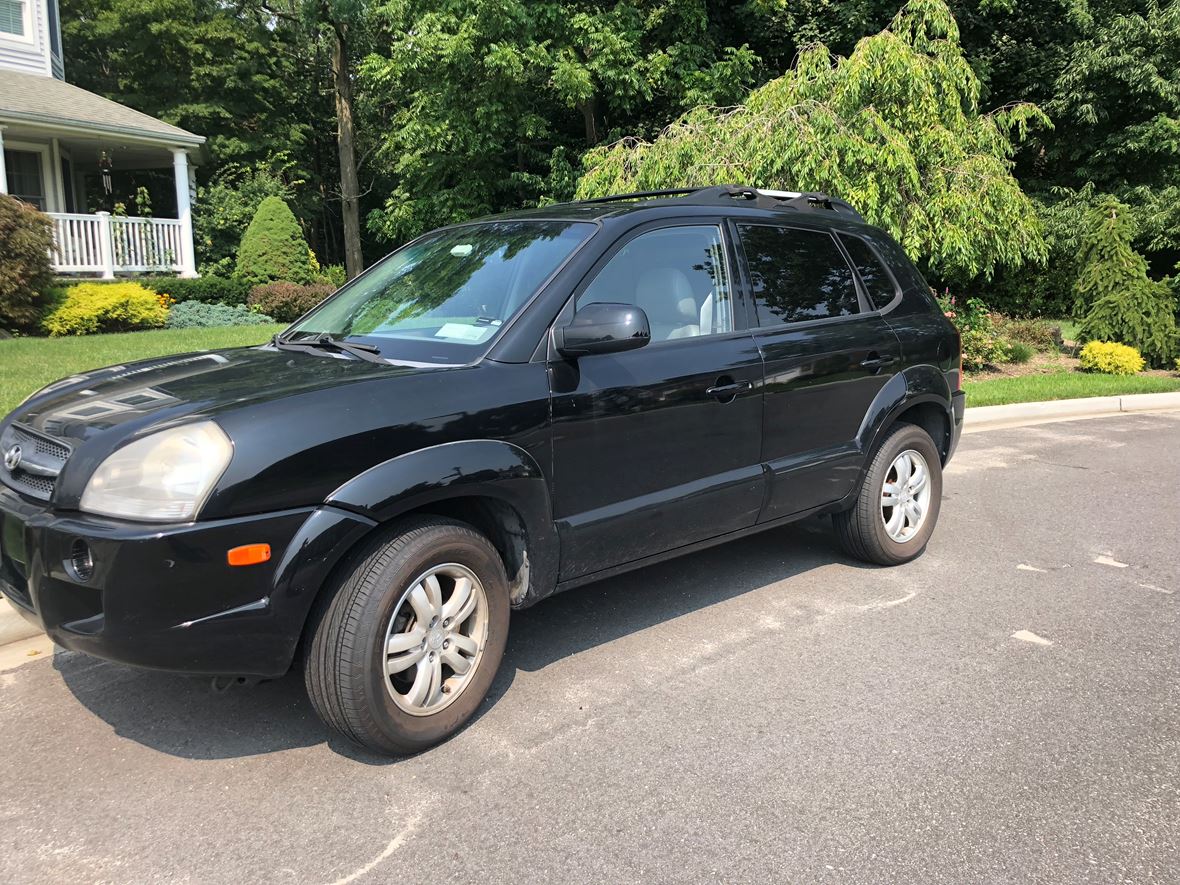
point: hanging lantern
(104, 165)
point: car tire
(367, 675)
(891, 535)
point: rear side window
(796, 274)
(879, 284)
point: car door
(658, 447)
(827, 351)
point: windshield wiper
(324, 341)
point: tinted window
(797, 275)
(677, 275)
(872, 273)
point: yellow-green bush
(109, 307)
(1111, 358)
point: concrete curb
(14, 628)
(1022, 414)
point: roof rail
(639, 195)
(761, 198)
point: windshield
(443, 298)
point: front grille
(41, 460)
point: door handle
(726, 389)
(876, 361)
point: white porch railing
(106, 244)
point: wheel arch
(920, 395)
(496, 487)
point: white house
(53, 134)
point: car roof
(725, 199)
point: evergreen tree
(273, 247)
(1115, 298)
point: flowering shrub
(1111, 358)
(982, 344)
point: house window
(25, 179)
(14, 18)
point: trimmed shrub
(195, 314)
(114, 307)
(1110, 358)
(1039, 334)
(273, 247)
(1020, 352)
(210, 289)
(26, 236)
(287, 302)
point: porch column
(184, 212)
(3, 171)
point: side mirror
(603, 328)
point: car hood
(161, 391)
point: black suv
(498, 411)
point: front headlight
(164, 477)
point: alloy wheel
(905, 496)
(435, 639)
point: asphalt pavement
(1006, 708)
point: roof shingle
(35, 99)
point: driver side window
(677, 276)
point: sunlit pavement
(1007, 707)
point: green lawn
(1062, 385)
(28, 364)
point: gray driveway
(1007, 707)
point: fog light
(81, 562)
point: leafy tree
(895, 129)
(25, 274)
(1117, 300)
(1117, 109)
(273, 247)
(213, 68)
(480, 105)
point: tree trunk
(589, 109)
(349, 189)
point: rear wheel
(407, 648)
(897, 508)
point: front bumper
(163, 596)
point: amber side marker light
(248, 554)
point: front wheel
(408, 646)
(897, 508)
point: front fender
(475, 468)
